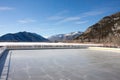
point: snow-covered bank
(42, 43)
(14, 45)
(105, 49)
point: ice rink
(63, 64)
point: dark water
(64, 64)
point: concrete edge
(5, 71)
(105, 49)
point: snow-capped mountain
(63, 37)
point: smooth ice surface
(64, 64)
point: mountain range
(22, 37)
(107, 30)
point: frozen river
(63, 64)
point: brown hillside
(106, 30)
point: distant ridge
(107, 30)
(65, 37)
(22, 37)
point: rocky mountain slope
(107, 30)
(22, 37)
(63, 37)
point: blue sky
(49, 17)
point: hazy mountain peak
(62, 37)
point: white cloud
(69, 19)
(55, 18)
(81, 22)
(4, 8)
(93, 13)
(58, 16)
(27, 20)
(47, 30)
(61, 18)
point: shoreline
(105, 49)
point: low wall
(2, 49)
